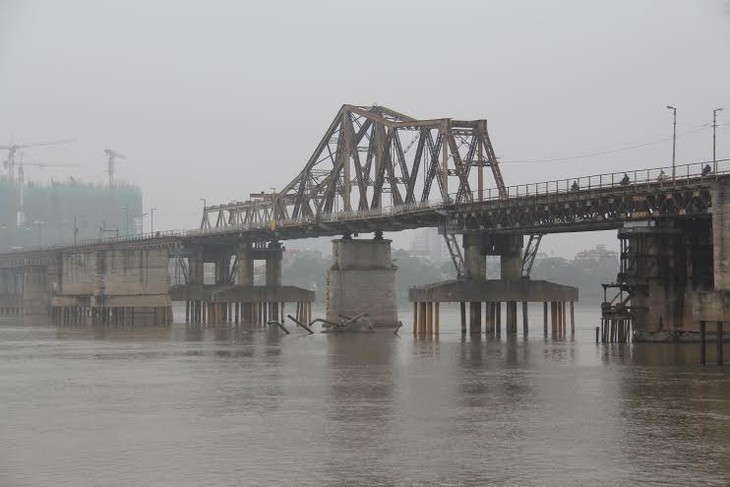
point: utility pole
(152, 220)
(714, 139)
(674, 143)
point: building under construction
(57, 212)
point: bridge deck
(597, 202)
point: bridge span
(377, 170)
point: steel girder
(257, 211)
(581, 210)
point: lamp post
(152, 220)
(674, 142)
(714, 139)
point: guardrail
(640, 178)
(658, 176)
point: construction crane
(15, 158)
(21, 184)
(14, 150)
(112, 157)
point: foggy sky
(220, 99)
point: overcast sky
(219, 99)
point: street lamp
(714, 138)
(674, 142)
(152, 220)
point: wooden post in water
(545, 323)
(462, 309)
(415, 317)
(422, 319)
(436, 324)
(572, 318)
(553, 318)
(475, 318)
(524, 319)
(703, 343)
(498, 317)
(719, 343)
(429, 318)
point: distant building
(599, 254)
(53, 212)
(428, 244)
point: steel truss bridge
(379, 170)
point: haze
(216, 100)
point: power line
(607, 152)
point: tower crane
(14, 159)
(112, 157)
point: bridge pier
(362, 280)
(234, 299)
(107, 287)
(10, 292)
(509, 289)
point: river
(192, 406)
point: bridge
(376, 170)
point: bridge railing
(102, 240)
(636, 179)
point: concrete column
(222, 269)
(475, 318)
(245, 265)
(511, 257)
(656, 261)
(195, 267)
(274, 256)
(475, 261)
(362, 280)
(720, 193)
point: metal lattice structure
(374, 157)
(528, 258)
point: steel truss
(375, 157)
(581, 210)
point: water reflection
(359, 408)
(227, 406)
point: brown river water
(191, 406)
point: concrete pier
(234, 299)
(362, 280)
(492, 293)
(511, 288)
(112, 287)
